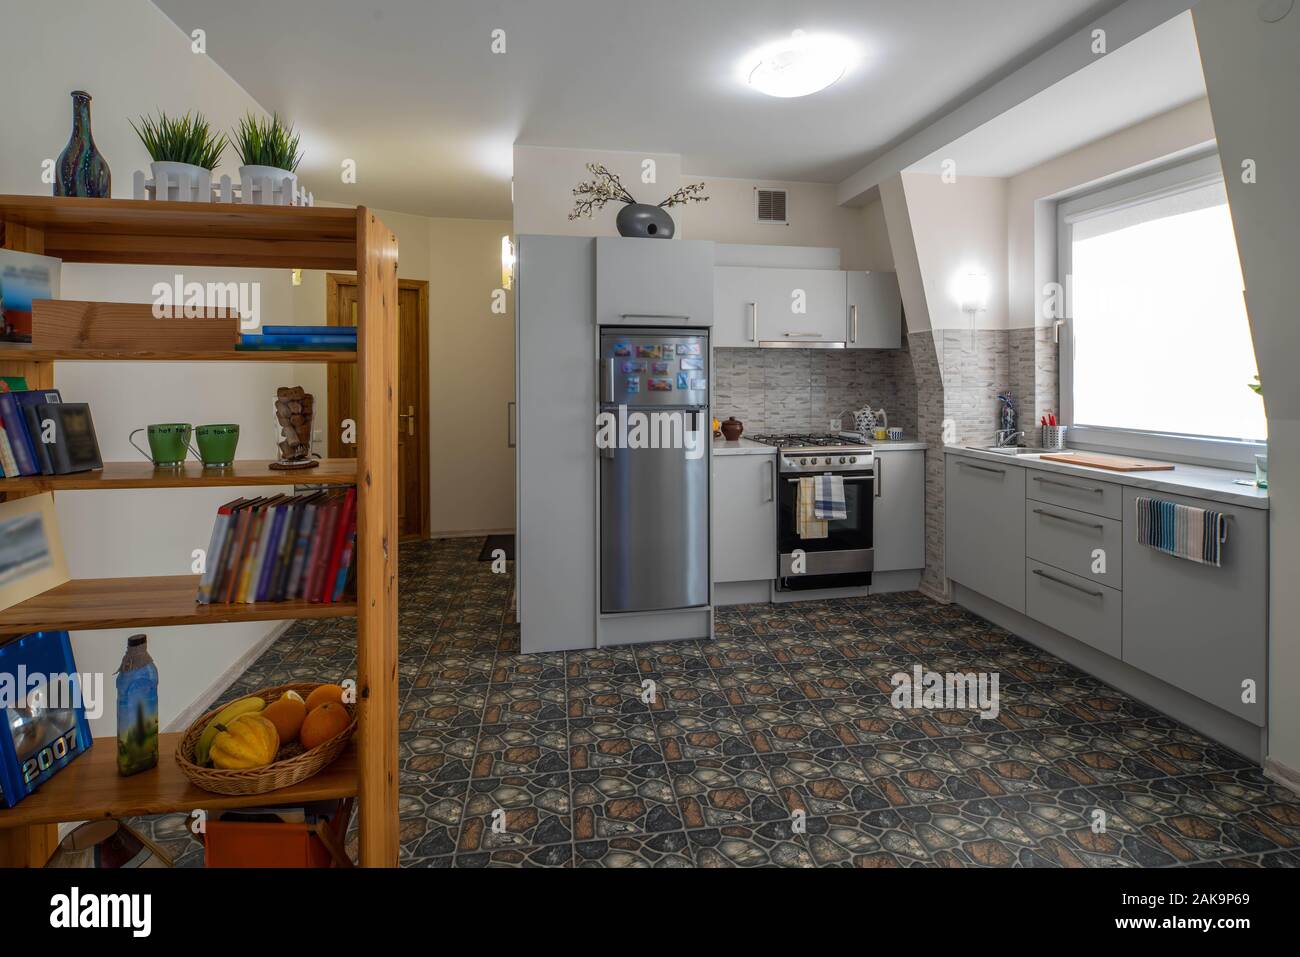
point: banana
(227, 714)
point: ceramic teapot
(866, 420)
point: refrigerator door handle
(607, 379)
(510, 424)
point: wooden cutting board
(1116, 463)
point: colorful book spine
(335, 342)
(15, 424)
(339, 535)
(212, 562)
(269, 550)
(293, 514)
(301, 548)
(240, 546)
(342, 332)
(345, 563)
(8, 464)
(320, 551)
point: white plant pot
(181, 182)
(267, 185)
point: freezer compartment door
(657, 369)
(654, 530)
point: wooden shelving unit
(142, 474)
(146, 602)
(195, 234)
(90, 788)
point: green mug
(169, 442)
(217, 445)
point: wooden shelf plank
(144, 602)
(167, 233)
(29, 354)
(89, 788)
(142, 474)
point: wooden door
(413, 394)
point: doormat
(504, 542)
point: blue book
(340, 342)
(272, 552)
(27, 403)
(15, 424)
(310, 331)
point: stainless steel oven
(845, 556)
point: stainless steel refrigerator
(654, 501)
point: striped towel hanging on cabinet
(1196, 534)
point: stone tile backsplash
(801, 390)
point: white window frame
(1168, 180)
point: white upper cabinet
(875, 311)
(761, 306)
(654, 282)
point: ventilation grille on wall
(771, 205)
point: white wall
(1031, 218)
(133, 60)
(544, 178)
(959, 227)
(1252, 74)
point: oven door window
(852, 532)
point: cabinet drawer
(985, 519)
(1076, 491)
(1068, 538)
(1075, 606)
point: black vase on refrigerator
(654, 479)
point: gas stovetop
(824, 452)
(797, 440)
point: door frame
(333, 282)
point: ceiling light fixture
(799, 65)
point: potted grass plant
(269, 153)
(184, 151)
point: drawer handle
(1077, 488)
(653, 315)
(1072, 521)
(982, 468)
(1061, 581)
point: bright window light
(1161, 338)
(798, 65)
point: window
(1157, 355)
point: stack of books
(40, 435)
(300, 339)
(281, 548)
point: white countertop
(1199, 481)
(744, 446)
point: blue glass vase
(81, 170)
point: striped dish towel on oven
(1196, 534)
(830, 498)
(807, 524)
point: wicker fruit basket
(278, 774)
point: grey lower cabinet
(898, 516)
(1200, 628)
(744, 518)
(985, 528)
(649, 282)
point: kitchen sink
(1017, 449)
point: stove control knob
(828, 460)
(841, 460)
(803, 461)
(853, 459)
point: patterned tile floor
(555, 760)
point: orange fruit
(323, 723)
(322, 694)
(287, 715)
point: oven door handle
(852, 478)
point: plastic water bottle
(137, 709)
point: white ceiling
(412, 92)
(1156, 72)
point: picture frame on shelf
(32, 560)
(24, 278)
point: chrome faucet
(1008, 437)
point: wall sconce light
(973, 293)
(507, 262)
(297, 277)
